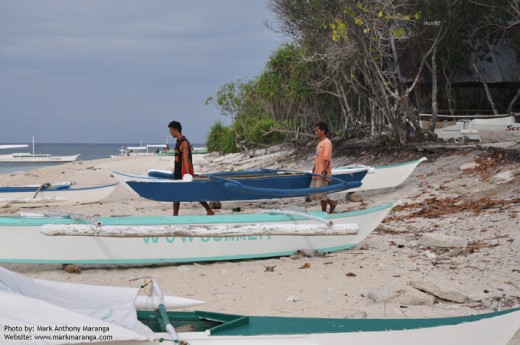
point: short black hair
(322, 126)
(175, 125)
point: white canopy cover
(35, 311)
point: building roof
(500, 65)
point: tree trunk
(513, 101)
(349, 115)
(373, 120)
(435, 90)
(486, 88)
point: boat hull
(476, 129)
(230, 187)
(16, 233)
(34, 310)
(61, 195)
(484, 329)
(387, 176)
(16, 158)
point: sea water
(86, 151)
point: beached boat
(26, 157)
(54, 194)
(35, 310)
(386, 176)
(26, 233)
(475, 127)
(240, 185)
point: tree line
(340, 66)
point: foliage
(251, 125)
(221, 139)
(340, 66)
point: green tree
(221, 139)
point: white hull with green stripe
(484, 329)
(38, 311)
(21, 240)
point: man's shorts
(317, 183)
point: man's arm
(185, 157)
(326, 167)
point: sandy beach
(467, 196)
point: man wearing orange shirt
(322, 166)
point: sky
(118, 71)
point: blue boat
(238, 185)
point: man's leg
(324, 205)
(333, 204)
(209, 211)
(176, 206)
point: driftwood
(209, 230)
(287, 131)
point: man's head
(321, 129)
(175, 129)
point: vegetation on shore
(340, 66)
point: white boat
(39, 311)
(15, 146)
(26, 157)
(139, 151)
(54, 194)
(26, 233)
(475, 127)
(385, 176)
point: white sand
(338, 284)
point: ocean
(87, 152)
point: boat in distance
(140, 151)
(26, 233)
(26, 157)
(108, 315)
(237, 185)
(12, 146)
(55, 194)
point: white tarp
(34, 311)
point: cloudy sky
(118, 71)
